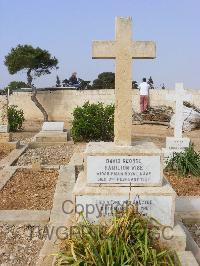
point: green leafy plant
(93, 122)
(127, 240)
(15, 118)
(184, 163)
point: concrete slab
(156, 202)
(24, 216)
(187, 258)
(52, 137)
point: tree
(58, 82)
(16, 85)
(134, 85)
(36, 62)
(163, 87)
(97, 84)
(150, 82)
(105, 80)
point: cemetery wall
(61, 103)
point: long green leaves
(126, 241)
(184, 163)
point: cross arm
(143, 49)
(103, 49)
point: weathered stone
(53, 126)
(174, 144)
(157, 202)
(137, 165)
(123, 50)
(51, 137)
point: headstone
(52, 132)
(138, 165)
(4, 128)
(53, 126)
(120, 171)
(178, 143)
(3, 114)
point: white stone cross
(123, 50)
(179, 96)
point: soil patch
(17, 247)
(27, 189)
(194, 230)
(4, 150)
(184, 186)
(50, 155)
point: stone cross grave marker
(123, 50)
(179, 97)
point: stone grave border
(56, 217)
(53, 217)
(13, 156)
(23, 216)
(190, 242)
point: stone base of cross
(123, 50)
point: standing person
(144, 95)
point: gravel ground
(194, 230)
(27, 189)
(23, 137)
(184, 186)
(17, 247)
(50, 155)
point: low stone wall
(61, 103)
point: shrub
(184, 163)
(93, 122)
(15, 118)
(130, 239)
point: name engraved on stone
(177, 143)
(159, 207)
(123, 169)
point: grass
(128, 240)
(185, 163)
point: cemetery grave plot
(184, 186)
(16, 245)
(28, 189)
(4, 151)
(49, 155)
(194, 230)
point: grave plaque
(53, 126)
(177, 143)
(97, 206)
(3, 128)
(137, 170)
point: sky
(66, 28)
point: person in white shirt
(144, 95)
